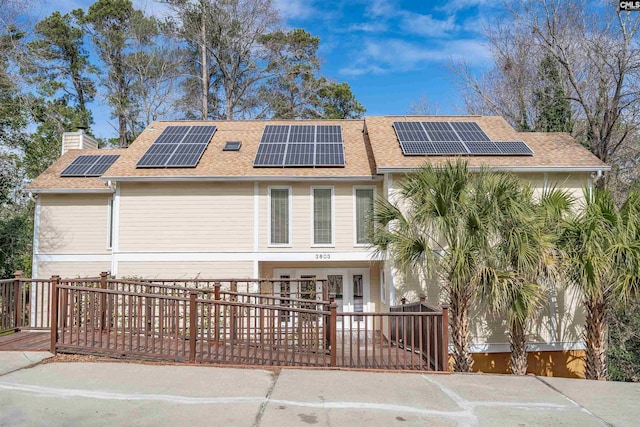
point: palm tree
(602, 244)
(445, 220)
(524, 256)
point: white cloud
(153, 8)
(457, 5)
(389, 56)
(294, 9)
(427, 25)
(368, 27)
(377, 8)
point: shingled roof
(370, 147)
(551, 151)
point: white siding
(187, 270)
(73, 224)
(205, 217)
(72, 270)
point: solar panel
(410, 131)
(453, 138)
(101, 166)
(274, 134)
(302, 134)
(300, 155)
(449, 147)
(482, 147)
(328, 134)
(89, 165)
(417, 148)
(300, 145)
(440, 131)
(270, 155)
(178, 146)
(514, 148)
(186, 155)
(329, 155)
(469, 131)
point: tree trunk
(596, 334)
(204, 66)
(518, 344)
(122, 129)
(462, 361)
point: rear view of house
(284, 200)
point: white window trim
(110, 227)
(290, 237)
(383, 286)
(333, 217)
(355, 216)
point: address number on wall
(323, 256)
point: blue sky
(391, 52)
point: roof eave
(603, 168)
(240, 178)
(67, 190)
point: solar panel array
(300, 145)
(453, 138)
(178, 147)
(90, 165)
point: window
(334, 282)
(110, 224)
(364, 213)
(279, 212)
(322, 215)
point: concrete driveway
(112, 394)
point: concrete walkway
(135, 394)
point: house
(287, 199)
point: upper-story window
(280, 216)
(322, 215)
(364, 214)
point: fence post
(333, 320)
(193, 327)
(54, 312)
(103, 300)
(18, 292)
(445, 337)
(216, 312)
(325, 290)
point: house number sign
(323, 256)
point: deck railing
(24, 303)
(224, 321)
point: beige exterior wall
(565, 305)
(72, 270)
(186, 270)
(301, 216)
(189, 217)
(73, 224)
(71, 141)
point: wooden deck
(26, 341)
(138, 346)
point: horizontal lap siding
(74, 224)
(72, 270)
(186, 270)
(206, 217)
